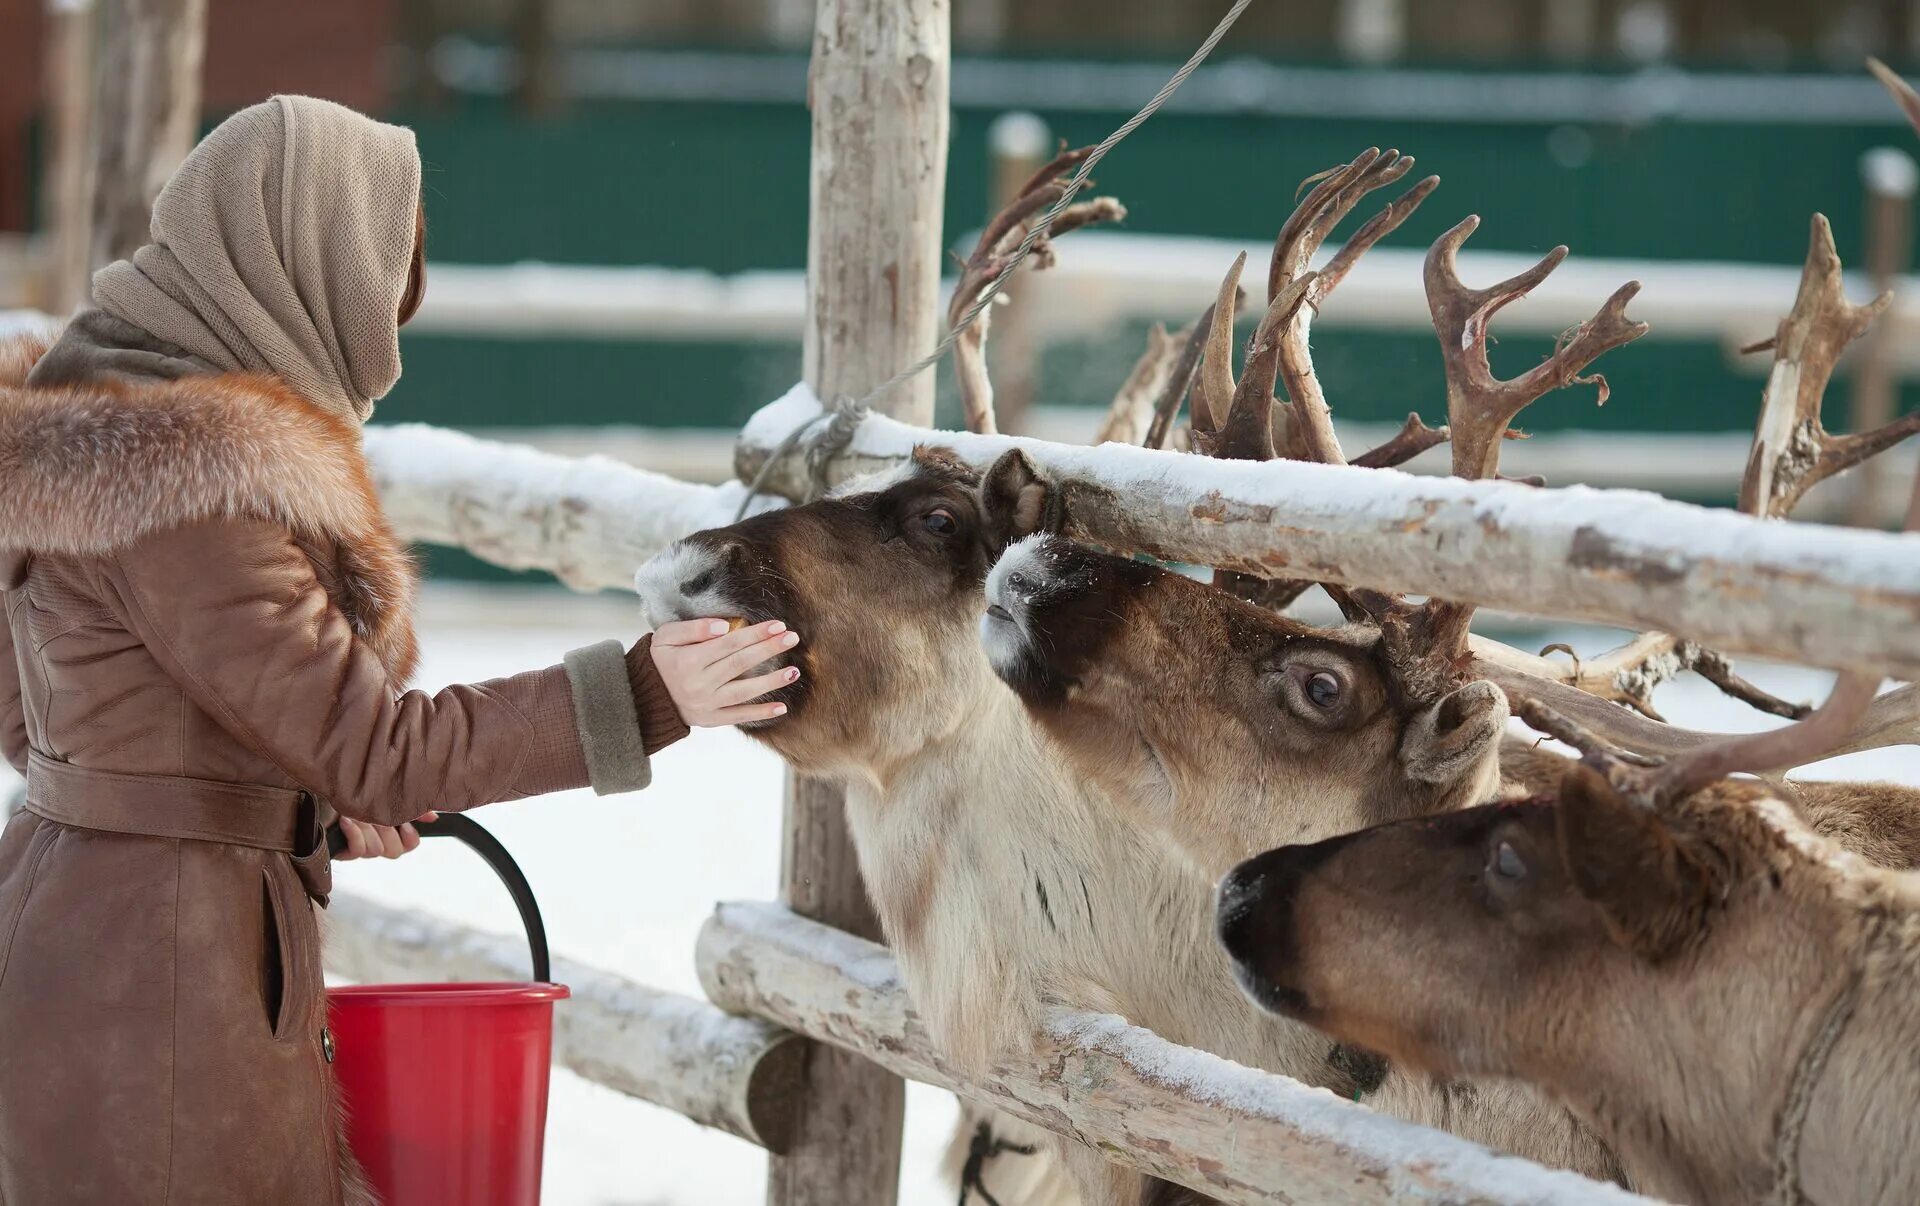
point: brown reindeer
(1004, 881)
(1726, 995)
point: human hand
(704, 667)
(367, 840)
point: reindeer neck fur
(1809, 1098)
(1006, 884)
(1860, 1139)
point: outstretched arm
(234, 612)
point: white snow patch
(855, 958)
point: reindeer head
(882, 582)
(1587, 943)
(1233, 726)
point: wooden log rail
(1821, 596)
(589, 521)
(740, 1075)
(1179, 1114)
(1229, 1131)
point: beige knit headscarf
(282, 245)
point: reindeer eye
(1507, 864)
(941, 522)
(1323, 689)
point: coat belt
(281, 819)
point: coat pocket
(292, 973)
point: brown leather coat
(206, 626)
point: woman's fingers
(721, 649)
(367, 840)
(739, 662)
(747, 689)
(390, 846)
(689, 632)
(745, 713)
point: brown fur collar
(90, 469)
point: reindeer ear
(1625, 859)
(1015, 499)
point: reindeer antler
(1792, 450)
(1480, 406)
(1330, 201)
(1238, 420)
(997, 244)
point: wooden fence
(807, 1029)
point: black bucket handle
(468, 831)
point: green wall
(723, 186)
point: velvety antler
(1239, 420)
(1213, 389)
(1180, 382)
(1135, 408)
(1629, 674)
(1300, 239)
(997, 244)
(1480, 406)
(1792, 450)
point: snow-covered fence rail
(1613, 557)
(1232, 1132)
(1821, 596)
(589, 521)
(737, 1074)
(1236, 1134)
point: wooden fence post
(879, 98)
(1889, 176)
(65, 199)
(146, 115)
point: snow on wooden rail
(737, 1074)
(1821, 596)
(1229, 1131)
(589, 521)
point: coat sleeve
(234, 612)
(13, 716)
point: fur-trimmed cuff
(608, 719)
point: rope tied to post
(836, 424)
(842, 416)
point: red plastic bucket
(446, 1088)
(445, 1085)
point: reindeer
(1232, 728)
(1727, 996)
(1197, 708)
(1004, 881)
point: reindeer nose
(1253, 915)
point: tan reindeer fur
(1006, 880)
(1673, 976)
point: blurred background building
(673, 135)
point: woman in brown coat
(207, 626)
